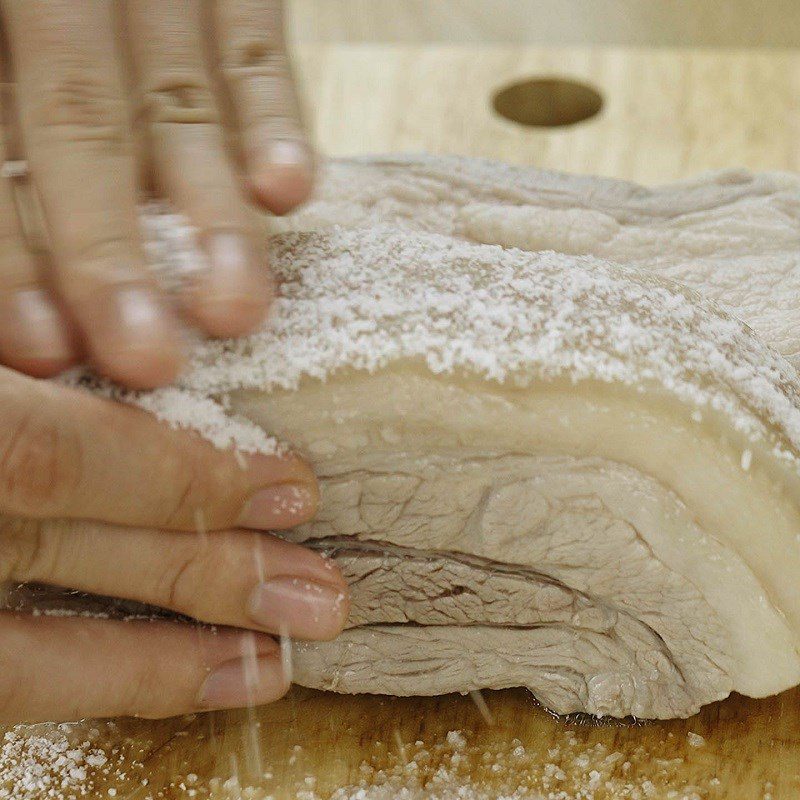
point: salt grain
(695, 739)
(42, 762)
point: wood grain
(751, 748)
(668, 114)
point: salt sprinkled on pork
(363, 298)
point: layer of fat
(733, 532)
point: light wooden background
(727, 23)
(669, 112)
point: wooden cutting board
(667, 114)
(310, 744)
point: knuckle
(23, 549)
(180, 581)
(83, 106)
(180, 101)
(261, 54)
(199, 487)
(143, 694)
(40, 462)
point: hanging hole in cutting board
(547, 102)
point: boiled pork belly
(732, 235)
(538, 468)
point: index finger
(66, 453)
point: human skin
(79, 509)
(192, 102)
(187, 100)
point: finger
(236, 578)
(34, 335)
(191, 166)
(71, 105)
(70, 668)
(65, 453)
(257, 72)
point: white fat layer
(367, 297)
(677, 480)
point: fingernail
(244, 682)
(139, 313)
(283, 174)
(278, 507)
(136, 340)
(40, 333)
(304, 608)
(288, 153)
(233, 296)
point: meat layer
(543, 461)
(485, 554)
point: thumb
(64, 453)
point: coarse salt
(363, 299)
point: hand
(112, 97)
(67, 457)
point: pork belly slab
(556, 426)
